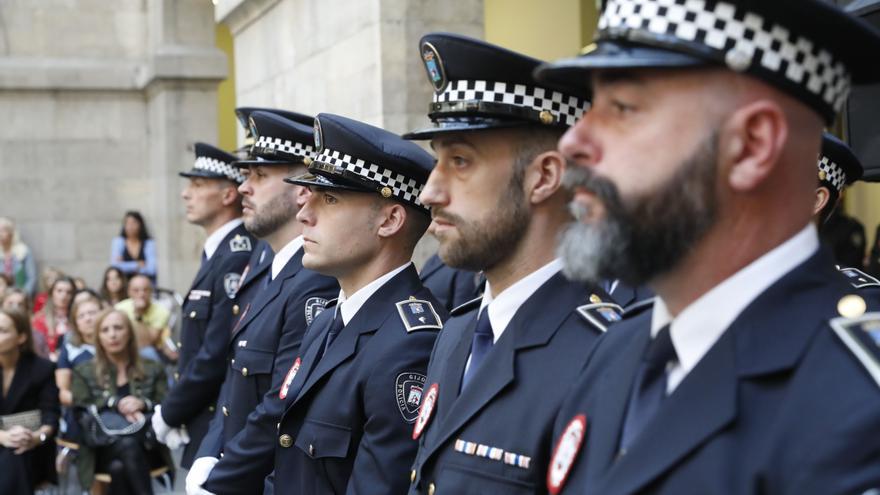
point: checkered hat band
(285, 146)
(402, 188)
(221, 168)
(740, 38)
(567, 109)
(833, 173)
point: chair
(67, 457)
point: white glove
(159, 425)
(198, 474)
(176, 437)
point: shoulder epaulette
(240, 243)
(861, 336)
(465, 307)
(418, 314)
(858, 278)
(600, 313)
(637, 307)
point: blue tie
(204, 257)
(649, 389)
(480, 346)
(336, 326)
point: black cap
(838, 166)
(243, 115)
(279, 141)
(809, 49)
(478, 85)
(214, 163)
(356, 156)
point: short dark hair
(22, 325)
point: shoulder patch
(601, 314)
(231, 281)
(408, 391)
(418, 314)
(466, 307)
(240, 243)
(862, 337)
(858, 278)
(314, 306)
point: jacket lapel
(454, 369)
(267, 295)
(223, 248)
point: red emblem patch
(565, 453)
(289, 379)
(428, 402)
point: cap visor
(309, 179)
(444, 128)
(204, 174)
(249, 163)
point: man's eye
(622, 108)
(330, 200)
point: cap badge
(738, 60)
(434, 67)
(546, 117)
(252, 127)
(319, 137)
(386, 192)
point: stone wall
(101, 103)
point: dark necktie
(336, 326)
(204, 257)
(649, 389)
(480, 346)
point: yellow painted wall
(226, 121)
(544, 29)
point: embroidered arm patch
(314, 306)
(408, 391)
(231, 282)
(418, 314)
(862, 337)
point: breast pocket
(323, 440)
(471, 480)
(198, 310)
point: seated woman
(16, 260)
(78, 349)
(26, 450)
(52, 320)
(117, 379)
(15, 299)
(113, 288)
(133, 250)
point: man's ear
(392, 219)
(823, 195)
(544, 176)
(231, 195)
(751, 143)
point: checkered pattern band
(402, 187)
(566, 109)
(284, 146)
(833, 174)
(742, 39)
(217, 167)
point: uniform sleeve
(200, 383)
(249, 456)
(212, 443)
(387, 450)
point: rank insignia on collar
(862, 337)
(600, 315)
(429, 400)
(314, 306)
(239, 243)
(418, 314)
(565, 453)
(231, 282)
(408, 391)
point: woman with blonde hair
(16, 260)
(119, 382)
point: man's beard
(646, 236)
(272, 216)
(484, 243)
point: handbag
(29, 419)
(101, 428)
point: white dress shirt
(213, 241)
(696, 329)
(284, 255)
(349, 306)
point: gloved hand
(198, 474)
(176, 437)
(160, 427)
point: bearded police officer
(272, 326)
(353, 393)
(694, 172)
(212, 202)
(503, 362)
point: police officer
(503, 362)
(354, 391)
(693, 171)
(212, 202)
(450, 286)
(272, 325)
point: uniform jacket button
(192, 314)
(244, 372)
(311, 450)
(235, 309)
(211, 408)
(232, 361)
(431, 489)
(285, 440)
(225, 411)
(176, 375)
(412, 476)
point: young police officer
(354, 391)
(272, 326)
(696, 174)
(212, 202)
(502, 364)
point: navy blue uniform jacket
(512, 400)
(452, 287)
(344, 429)
(271, 330)
(778, 405)
(205, 329)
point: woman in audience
(113, 288)
(133, 251)
(16, 260)
(47, 278)
(52, 321)
(118, 380)
(78, 349)
(28, 386)
(15, 299)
